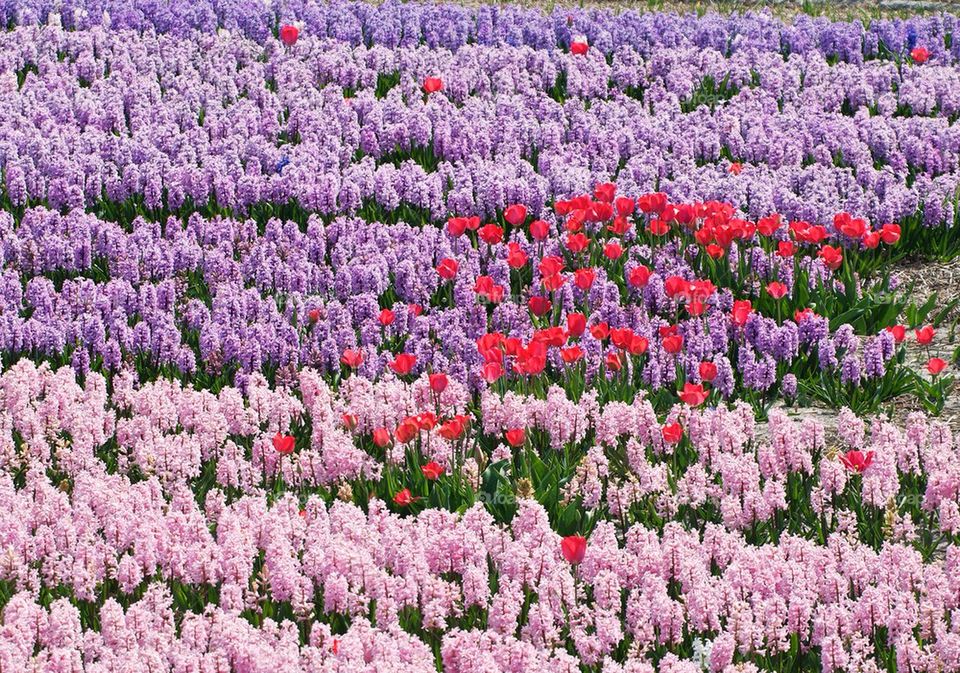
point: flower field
(339, 338)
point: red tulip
(403, 363)
(404, 498)
(672, 433)
(516, 257)
(742, 309)
(486, 288)
(415, 309)
(658, 227)
(936, 365)
(438, 382)
(694, 394)
(639, 276)
(857, 461)
(284, 444)
(426, 421)
(849, 226)
(605, 191)
(871, 240)
(491, 234)
(432, 84)
(652, 203)
(408, 429)
(583, 278)
(708, 371)
(492, 371)
(539, 306)
(899, 333)
(289, 34)
(456, 226)
(381, 437)
(924, 335)
(386, 317)
(576, 324)
(432, 471)
(613, 361)
(349, 421)
(890, 233)
(572, 354)
(637, 345)
(516, 437)
(769, 225)
(715, 251)
(352, 357)
(736, 167)
(313, 315)
(453, 428)
(574, 547)
(515, 214)
(831, 256)
(579, 46)
(577, 242)
(920, 54)
(447, 268)
(612, 250)
(600, 331)
(776, 289)
(539, 230)
(673, 343)
(786, 249)
(625, 206)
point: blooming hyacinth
(339, 337)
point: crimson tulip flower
(386, 317)
(432, 471)
(742, 309)
(576, 324)
(583, 278)
(491, 234)
(579, 46)
(920, 54)
(539, 230)
(673, 344)
(352, 357)
(708, 371)
(890, 233)
(381, 437)
(408, 429)
(432, 84)
(438, 382)
(313, 315)
(613, 250)
(289, 34)
(639, 276)
(516, 257)
(694, 394)
(539, 306)
(447, 268)
(403, 363)
(672, 433)
(515, 214)
(936, 365)
(574, 548)
(899, 332)
(284, 444)
(924, 335)
(831, 256)
(516, 437)
(572, 354)
(857, 461)
(776, 289)
(404, 498)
